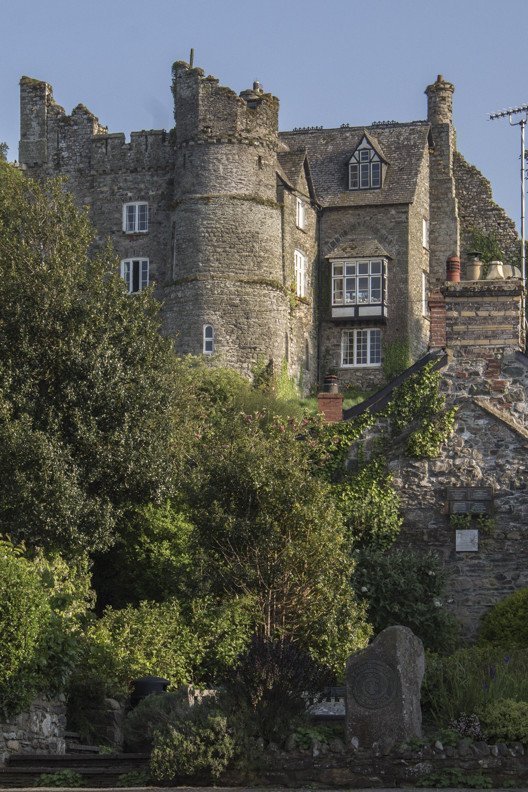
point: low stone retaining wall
(40, 730)
(503, 764)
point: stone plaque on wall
(470, 500)
(467, 540)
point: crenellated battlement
(206, 111)
(150, 149)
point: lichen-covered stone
(383, 685)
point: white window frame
(208, 339)
(143, 273)
(301, 273)
(348, 281)
(136, 221)
(425, 233)
(365, 168)
(300, 214)
(371, 338)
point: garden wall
(501, 763)
(40, 730)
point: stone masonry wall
(302, 342)
(41, 730)
(478, 210)
(389, 226)
(417, 318)
(487, 380)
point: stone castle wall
(478, 211)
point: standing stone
(383, 688)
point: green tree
(266, 528)
(86, 380)
(3, 151)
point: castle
(315, 247)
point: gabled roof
(373, 143)
(329, 152)
(293, 165)
(367, 248)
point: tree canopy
(86, 380)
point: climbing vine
(418, 402)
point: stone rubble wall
(378, 768)
(477, 210)
(40, 730)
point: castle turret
(35, 99)
(444, 233)
(227, 291)
(440, 101)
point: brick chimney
(476, 319)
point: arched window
(208, 339)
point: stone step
(20, 776)
(60, 761)
(74, 747)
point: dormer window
(365, 168)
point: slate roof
(292, 163)
(369, 248)
(329, 151)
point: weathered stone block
(383, 688)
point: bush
(506, 624)
(24, 610)
(470, 680)
(507, 720)
(62, 778)
(200, 742)
(405, 587)
(267, 685)
(165, 640)
(157, 711)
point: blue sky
(329, 62)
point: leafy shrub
(135, 778)
(405, 587)
(396, 358)
(507, 720)
(268, 684)
(200, 742)
(61, 778)
(470, 679)
(65, 596)
(156, 711)
(163, 639)
(369, 505)
(24, 610)
(506, 624)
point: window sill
(135, 233)
(362, 366)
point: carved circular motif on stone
(374, 684)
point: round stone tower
(440, 101)
(226, 291)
